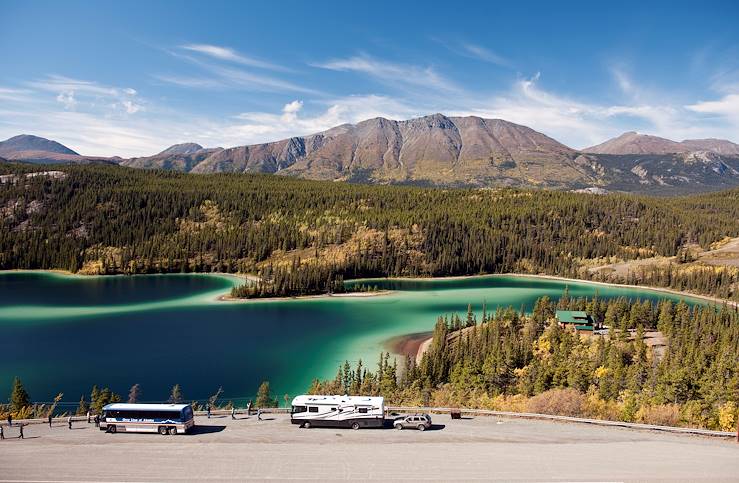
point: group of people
(50, 418)
(233, 411)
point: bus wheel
(173, 430)
(112, 429)
(306, 425)
(162, 430)
(355, 425)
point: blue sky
(131, 78)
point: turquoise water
(65, 333)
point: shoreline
(249, 277)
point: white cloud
(417, 76)
(726, 106)
(67, 99)
(230, 55)
(486, 55)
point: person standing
(21, 430)
(97, 421)
(259, 414)
(10, 419)
(50, 420)
(207, 409)
(2, 432)
(69, 421)
(233, 412)
(248, 408)
(88, 416)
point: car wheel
(355, 425)
(162, 430)
(306, 425)
(173, 430)
(398, 426)
(421, 427)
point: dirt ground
(480, 448)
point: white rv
(338, 411)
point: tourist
(88, 416)
(50, 420)
(259, 414)
(207, 408)
(248, 408)
(69, 421)
(233, 412)
(10, 419)
(97, 421)
(21, 432)
(2, 432)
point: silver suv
(420, 422)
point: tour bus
(147, 418)
(338, 411)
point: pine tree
(19, 398)
(264, 396)
(175, 396)
(134, 394)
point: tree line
(110, 219)
(21, 406)
(526, 362)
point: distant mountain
(180, 157)
(451, 151)
(434, 150)
(184, 148)
(27, 142)
(635, 143)
(34, 149)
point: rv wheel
(162, 430)
(355, 425)
(306, 425)
(173, 430)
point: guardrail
(570, 419)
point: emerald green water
(65, 333)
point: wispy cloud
(72, 93)
(218, 72)
(484, 54)
(231, 55)
(390, 72)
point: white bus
(338, 411)
(147, 418)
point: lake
(64, 333)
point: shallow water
(65, 333)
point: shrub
(562, 402)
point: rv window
(363, 410)
(299, 409)
(312, 409)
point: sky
(131, 78)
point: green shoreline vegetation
(302, 237)
(511, 361)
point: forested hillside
(302, 236)
(516, 362)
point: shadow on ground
(211, 428)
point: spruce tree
(19, 398)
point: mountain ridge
(460, 151)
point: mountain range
(444, 151)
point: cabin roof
(574, 317)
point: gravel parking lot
(480, 448)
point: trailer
(338, 411)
